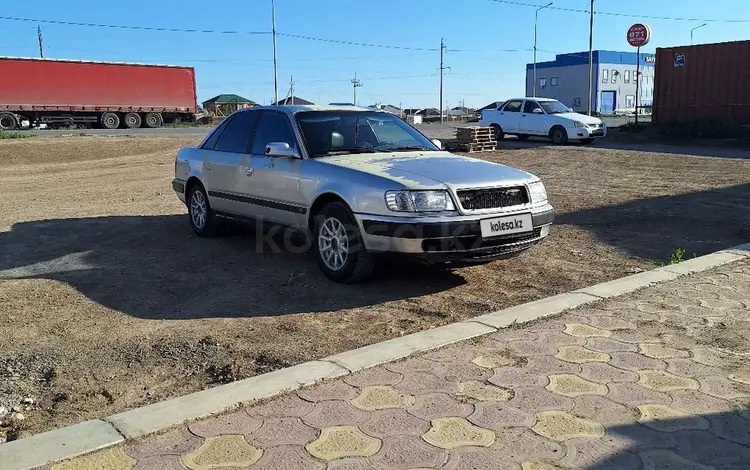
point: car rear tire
(558, 135)
(153, 120)
(587, 141)
(8, 122)
(132, 120)
(203, 221)
(339, 250)
(499, 133)
(110, 121)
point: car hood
(578, 117)
(432, 170)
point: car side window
(210, 143)
(236, 136)
(513, 106)
(530, 106)
(273, 127)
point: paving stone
(234, 422)
(709, 449)
(635, 437)
(611, 323)
(374, 376)
(665, 419)
(659, 459)
(606, 374)
(349, 464)
(603, 410)
(417, 383)
(521, 444)
(741, 376)
(690, 368)
(439, 405)
(463, 371)
(539, 465)
(595, 453)
(561, 426)
(530, 348)
(334, 413)
(288, 457)
(636, 362)
(633, 395)
(534, 400)
(586, 331)
(580, 355)
(222, 451)
(697, 402)
(483, 392)
(449, 433)
(722, 387)
(573, 386)
(381, 397)
(330, 390)
(635, 337)
(475, 458)
(113, 458)
(408, 453)
(289, 405)
(495, 359)
(343, 441)
(721, 304)
(496, 416)
(652, 308)
(556, 324)
(730, 426)
(282, 431)
(160, 462)
(609, 345)
(395, 422)
(665, 382)
(511, 377)
(412, 364)
(660, 351)
(511, 334)
(711, 357)
(173, 442)
(549, 365)
(561, 338)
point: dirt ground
(109, 302)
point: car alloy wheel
(198, 209)
(333, 244)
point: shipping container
(107, 94)
(703, 81)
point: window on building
(614, 75)
(630, 101)
(553, 81)
(605, 76)
(626, 78)
(542, 82)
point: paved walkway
(655, 380)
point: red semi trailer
(81, 93)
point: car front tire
(558, 135)
(202, 218)
(339, 250)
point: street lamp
(691, 32)
(536, 20)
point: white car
(543, 117)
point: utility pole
(291, 89)
(591, 57)
(41, 47)
(275, 64)
(356, 83)
(536, 21)
(442, 68)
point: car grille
(478, 199)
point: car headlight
(419, 201)
(537, 192)
(580, 124)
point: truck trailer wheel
(8, 122)
(154, 120)
(110, 121)
(132, 120)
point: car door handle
(249, 171)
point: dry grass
(108, 302)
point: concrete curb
(89, 436)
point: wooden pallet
(476, 136)
(471, 148)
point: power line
(626, 15)
(140, 28)
(363, 44)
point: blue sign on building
(679, 59)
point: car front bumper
(451, 239)
(587, 132)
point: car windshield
(554, 107)
(338, 132)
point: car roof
(532, 98)
(291, 109)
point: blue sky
(489, 42)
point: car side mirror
(437, 143)
(281, 149)
(537, 111)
